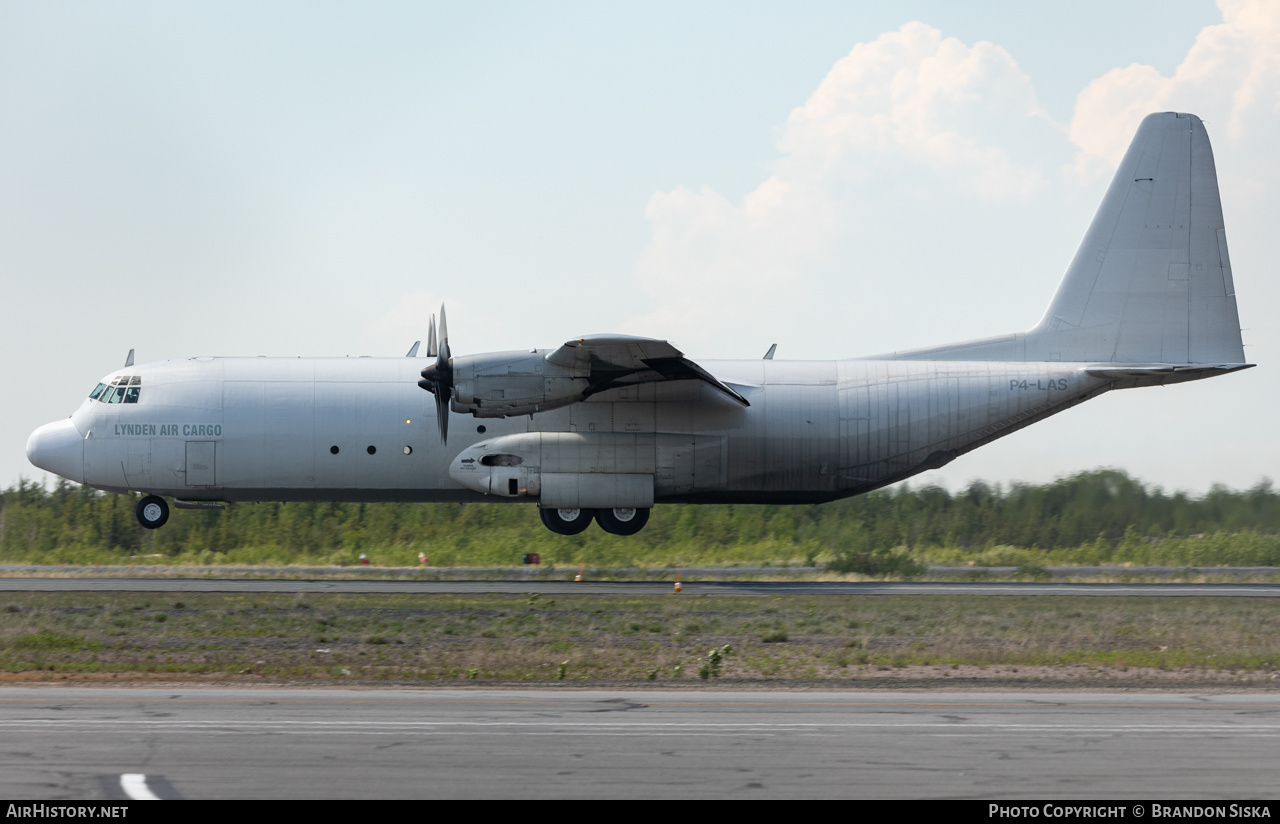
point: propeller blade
(442, 415)
(438, 377)
(444, 354)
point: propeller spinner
(438, 377)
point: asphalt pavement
(85, 743)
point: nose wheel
(152, 512)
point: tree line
(1094, 517)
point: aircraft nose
(58, 448)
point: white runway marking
(135, 786)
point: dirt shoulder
(911, 679)
(796, 641)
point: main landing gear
(152, 512)
(566, 521)
(623, 520)
(619, 521)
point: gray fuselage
(266, 428)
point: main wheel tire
(152, 512)
(566, 521)
(622, 521)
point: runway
(1232, 590)
(61, 743)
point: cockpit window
(123, 389)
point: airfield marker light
(422, 558)
(578, 577)
(678, 587)
(364, 559)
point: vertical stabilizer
(1151, 281)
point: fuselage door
(138, 463)
(200, 463)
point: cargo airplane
(604, 427)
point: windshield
(122, 389)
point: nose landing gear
(152, 512)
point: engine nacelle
(503, 384)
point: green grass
(575, 638)
(50, 641)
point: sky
(314, 178)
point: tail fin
(1151, 281)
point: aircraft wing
(611, 361)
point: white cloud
(912, 95)
(912, 98)
(1230, 78)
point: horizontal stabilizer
(1199, 370)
